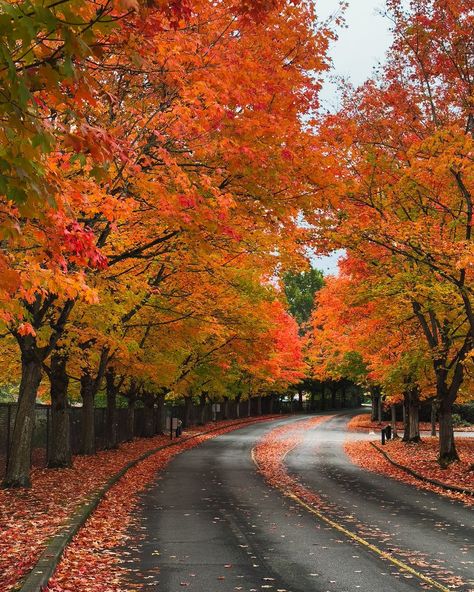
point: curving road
(210, 523)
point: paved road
(211, 524)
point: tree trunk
(323, 397)
(433, 418)
(237, 408)
(393, 412)
(259, 405)
(19, 462)
(111, 428)
(131, 418)
(379, 409)
(300, 399)
(188, 403)
(202, 408)
(60, 455)
(447, 446)
(333, 396)
(272, 402)
(161, 415)
(148, 427)
(374, 400)
(343, 397)
(226, 408)
(88, 419)
(249, 406)
(412, 423)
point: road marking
(355, 537)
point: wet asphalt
(210, 523)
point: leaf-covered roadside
(363, 423)
(422, 458)
(92, 562)
(29, 518)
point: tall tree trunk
(249, 406)
(434, 410)
(343, 397)
(373, 401)
(411, 401)
(160, 413)
(300, 399)
(188, 403)
(202, 409)
(88, 414)
(333, 396)
(60, 455)
(379, 409)
(271, 404)
(131, 418)
(447, 445)
(19, 462)
(111, 428)
(393, 412)
(148, 427)
(259, 405)
(225, 414)
(323, 396)
(237, 407)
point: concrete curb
(421, 477)
(42, 572)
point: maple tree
(177, 160)
(398, 194)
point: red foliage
(422, 459)
(28, 518)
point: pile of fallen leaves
(30, 517)
(421, 458)
(364, 423)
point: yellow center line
(355, 537)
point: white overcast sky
(360, 47)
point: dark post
(9, 415)
(47, 433)
(388, 431)
(382, 431)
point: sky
(360, 47)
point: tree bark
(333, 389)
(148, 427)
(323, 397)
(188, 403)
(259, 405)
(160, 413)
(225, 415)
(111, 428)
(300, 399)
(202, 410)
(379, 408)
(60, 454)
(88, 419)
(411, 402)
(271, 404)
(375, 401)
(249, 406)
(131, 418)
(433, 418)
(19, 463)
(447, 445)
(393, 412)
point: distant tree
(300, 289)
